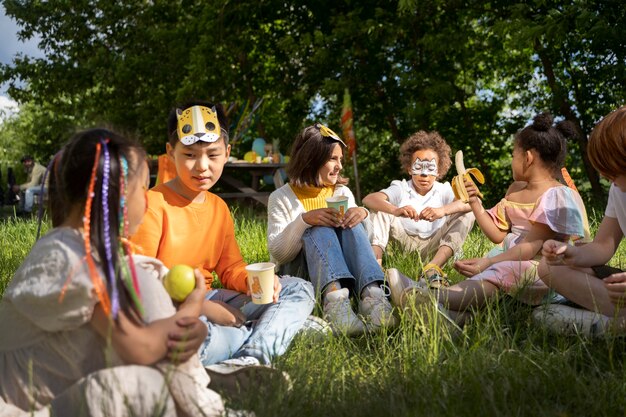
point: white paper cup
(338, 202)
(261, 282)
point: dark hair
(309, 153)
(27, 158)
(422, 140)
(549, 141)
(69, 185)
(172, 120)
(607, 144)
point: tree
(475, 71)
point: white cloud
(8, 108)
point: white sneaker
(420, 304)
(398, 283)
(316, 328)
(235, 376)
(568, 320)
(338, 312)
(376, 308)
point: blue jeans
(330, 254)
(29, 197)
(269, 328)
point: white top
(55, 336)
(616, 206)
(285, 226)
(402, 193)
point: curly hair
(422, 140)
(607, 144)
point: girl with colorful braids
(87, 327)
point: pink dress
(562, 210)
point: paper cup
(338, 202)
(261, 282)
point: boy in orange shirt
(186, 224)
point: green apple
(180, 282)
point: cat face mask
(425, 167)
(198, 123)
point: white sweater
(285, 225)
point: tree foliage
(476, 71)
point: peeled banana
(458, 185)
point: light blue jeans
(330, 254)
(29, 197)
(269, 328)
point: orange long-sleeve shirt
(201, 235)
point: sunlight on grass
(500, 365)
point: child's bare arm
(457, 206)
(529, 247)
(598, 252)
(146, 344)
(486, 223)
(221, 313)
(379, 201)
(140, 344)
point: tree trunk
(561, 102)
(391, 120)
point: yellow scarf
(313, 197)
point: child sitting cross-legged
(421, 214)
(187, 224)
(580, 274)
(536, 208)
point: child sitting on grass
(187, 224)
(308, 238)
(536, 207)
(76, 339)
(421, 214)
(579, 273)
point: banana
(458, 185)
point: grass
(502, 365)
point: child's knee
(294, 286)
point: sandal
(437, 280)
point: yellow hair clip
(327, 133)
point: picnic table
(257, 171)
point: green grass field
(502, 365)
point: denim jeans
(29, 197)
(330, 254)
(269, 328)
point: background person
(32, 187)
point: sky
(10, 46)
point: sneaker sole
(234, 381)
(395, 287)
(568, 320)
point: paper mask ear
(424, 167)
(198, 123)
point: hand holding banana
(463, 175)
